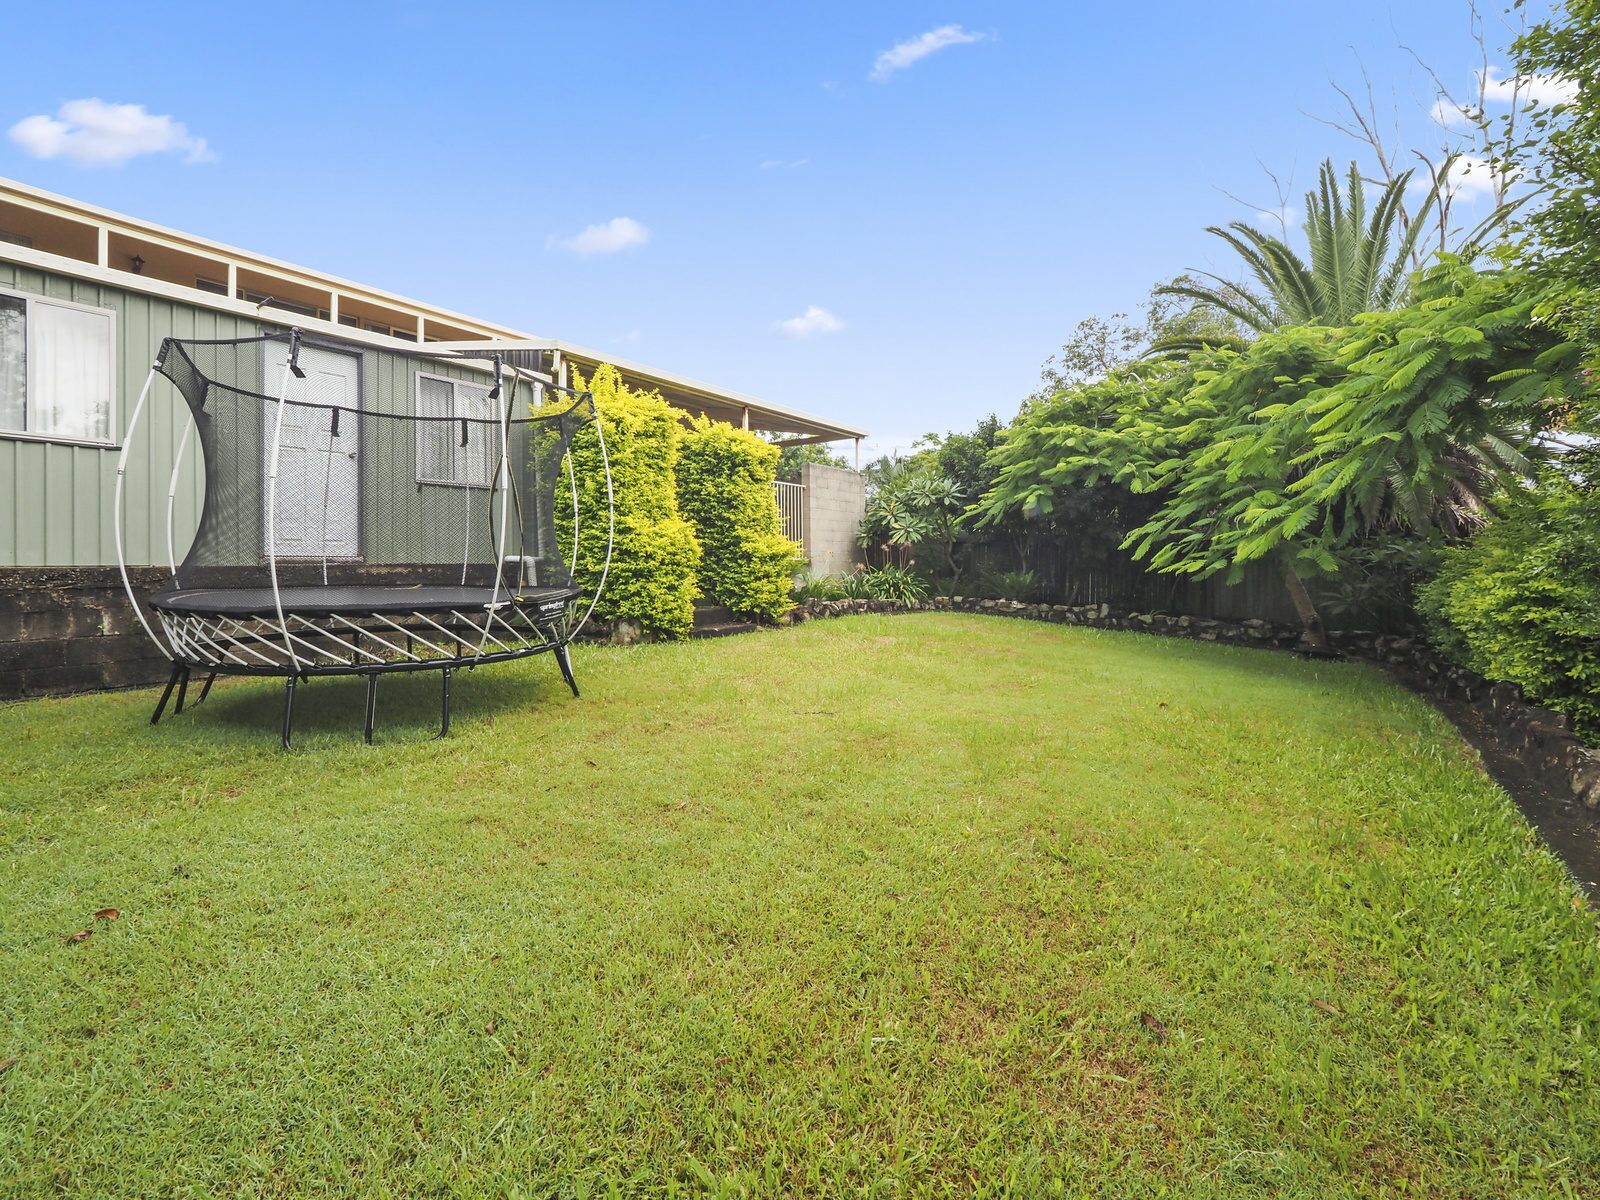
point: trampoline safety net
(388, 467)
(366, 510)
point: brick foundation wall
(72, 629)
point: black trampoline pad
(347, 601)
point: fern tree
(1358, 259)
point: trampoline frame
(329, 642)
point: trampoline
(363, 512)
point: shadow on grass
(332, 708)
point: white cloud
(813, 321)
(616, 234)
(1447, 114)
(904, 54)
(92, 133)
(1285, 218)
(1470, 178)
(1542, 89)
(785, 164)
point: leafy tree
(938, 502)
(882, 471)
(893, 525)
(1293, 447)
(1099, 345)
(1562, 157)
(963, 457)
(792, 458)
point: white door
(317, 509)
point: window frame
(424, 426)
(113, 440)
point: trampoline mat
(349, 601)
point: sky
(887, 214)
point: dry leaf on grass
(1323, 1006)
(107, 914)
(83, 935)
(1154, 1025)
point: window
(441, 456)
(56, 370)
(262, 300)
(215, 286)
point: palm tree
(1358, 261)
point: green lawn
(889, 906)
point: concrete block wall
(72, 629)
(835, 502)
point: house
(86, 297)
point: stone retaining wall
(72, 629)
(1541, 740)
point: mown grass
(875, 906)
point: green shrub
(1521, 601)
(1008, 585)
(894, 583)
(652, 577)
(819, 587)
(725, 480)
(854, 586)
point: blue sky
(771, 204)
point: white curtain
(71, 373)
(13, 364)
(441, 458)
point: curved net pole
(505, 490)
(116, 502)
(172, 492)
(611, 524)
(291, 368)
(327, 482)
(464, 472)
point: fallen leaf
(489, 1028)
(1154, 1025)
(107, 914)
(6, 1064)
(83, 935)
(591, 762)
(1323, 1006)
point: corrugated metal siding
(55, 500)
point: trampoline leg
(206, 689)
(172, 682)
(565, 664)
(183, 691)
(444, 723)
(288, 710)
(372, 707)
